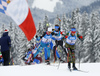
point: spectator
(5, 44)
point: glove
(66, 36)
(36, 36)
(82, 39)
(62, 38)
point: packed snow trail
(50, 70)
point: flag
(19, 11)
(3, 6)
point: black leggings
(58, 43)
(6, 57)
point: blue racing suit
(46, 43)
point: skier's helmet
(57, 27)
(49, 30)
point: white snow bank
(47, 70)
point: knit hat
(5, 30)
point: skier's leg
(57, 54)
(69, 58)
(45, 50)
(38, 50)
(73, 56)
(6, 57)
(39, 58)
(65, 50)
(61, 44)
(54, 52)
(48, 52)
(73, 60)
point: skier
(46, 43)
(29, 57)
(58, 41)
(5, 43)
(71, 38)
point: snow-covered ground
(50, 70)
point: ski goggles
(73, 31)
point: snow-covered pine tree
(57, 21)
(39, 29)
(69, 22)
(2, 30)
(92, 40)
(95, 23)
(64, 24)
(19, 46)
(82, 29)
(11, 34)
(23, 46)
(86, 54)
(45, 23)
(76, 18)
(84, 24)
(16, 47)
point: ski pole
(79, 59)
(59, 60)
(79, 55)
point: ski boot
(74, 67)
(69, 66)
(55, 59)
(48, 63)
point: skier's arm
(52, 33)
(66, 36)
(80, 37)
(43, 35)
(51, 45)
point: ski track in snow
(50, 70)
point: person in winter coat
(5, 44)
(71, 38)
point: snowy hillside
(48, 5)
(48, 70)
(54, 7)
